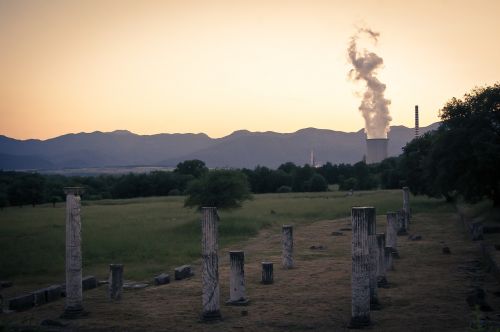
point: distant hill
(239, 149)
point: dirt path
(427, 293)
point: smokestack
(416, 121)
(376, 150)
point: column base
(74, 313)
(359, 322)
(211, 316)
(240, 302)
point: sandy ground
(427, 293)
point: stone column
(115, 281)
(372, 241)
(237, 278)
(406, 204)
(381, 278)
(74, 294)
(402, 226)
(360, 278)
(267, 273)
(210, 264)
(287, 240)
(388, 258)
(392, 232)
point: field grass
(151, 235)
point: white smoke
(374, 106)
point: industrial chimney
(416, 121)
(376, 150)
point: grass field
(151, 235)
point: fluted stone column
(267, 273)
(402, 225)
(237, 278)
(406, 205)
(381, 278)
(287, 240)
(392, 232)
(388, 258)
(74, 294)
(360, 278)
(372, 240)
(115, 281)
(210, 264)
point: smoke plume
(374, 106)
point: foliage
(317, 183)
(284, 189)
(195, 168)
(223, 189)
(463, 156)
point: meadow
(153, 235)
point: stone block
(5, 284)
(40, 297)
(53, 292)
(162, 279)
(22, 302)
(183, 272)
(89, 282)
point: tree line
(24, 188)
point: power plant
(376, 150)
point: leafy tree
(317, 183)
(284, 189)
(301, 176)
(223, 189)
(288, 167)
(468, 147)
(194, 167)
(348, 184)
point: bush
(284, 189)
(317, 183)
(174, 192)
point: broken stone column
(210, 264)
(402, 226)
(237, 278)
(267, 273)
(115, 281)
(360, 278)
(372, 240)
(381, 278)
(392, 232)
(287, 239)
(406, 205)
(74, 293)
(388, 258)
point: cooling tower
(376, 150)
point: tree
(318, 183)
(467, 149)
(193, 167)
(223, 189)
(415, 166)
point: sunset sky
(218, 66)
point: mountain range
(240, 149)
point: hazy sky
(218, 66)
